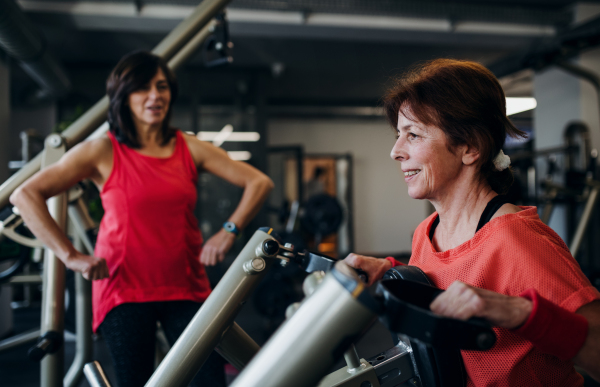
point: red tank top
(149, 235)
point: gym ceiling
(338, 52)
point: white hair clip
(502, 161)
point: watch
(231, 227)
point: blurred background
(293, 87)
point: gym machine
(177, 47)
(321, 329)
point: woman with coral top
(149, 257)
(495, 260)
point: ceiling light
(518, 105)
(239, 155)
(233, 137)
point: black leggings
(130, 333)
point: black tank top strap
(433, 226)
(492, 207)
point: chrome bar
(95, 375)
(237, 347)
(83, 326)
(19, 339)
(585, 219)
(351, 357)
(26, 279)
(82, 223)
(53, 294)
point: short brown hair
(464, 100)
(132, 73)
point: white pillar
(558, 96)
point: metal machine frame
(323, 327)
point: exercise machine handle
(50, 342)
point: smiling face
(150, 104)
(430, 169)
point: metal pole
(307, 345)
(214, 317)
(351, 357)
(94, 117)
(585, 219)
(17, 340)
(53, 295)
(95, 375)
(83, 325)
(237, 347)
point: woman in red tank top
(149, 257)
(495, 260)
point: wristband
(393, 261)
(231, 228)
(553, 329)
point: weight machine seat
(437, 367)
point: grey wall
(558, 103)
(590, 105)
(385, 217)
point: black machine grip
(312, 262)
(406, 305)
(49, 343)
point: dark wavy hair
(132, 73)
(465, 100)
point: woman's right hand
(374, 267)
(91, 268)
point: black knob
(270, 247)
(49, 343)
(486, 340)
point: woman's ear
(470, 155)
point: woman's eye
(412, 136)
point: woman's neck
(459, 214)
(149, 136)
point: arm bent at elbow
(30, 198)
(555, 330)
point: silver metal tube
(83, 326)
(192, 46)
(17, 340)
(585, 219)
(81, 222)
(53, 294)
(177, 38)
(351, 357)
(95, 375)
(307, 345)
(95, 116)
(237, 347)
(26, 279)
(214, 317)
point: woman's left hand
(216, 247)
(463, 301)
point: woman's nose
(154, 93)
(398, 151)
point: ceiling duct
(552, 51)
(21, 40)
